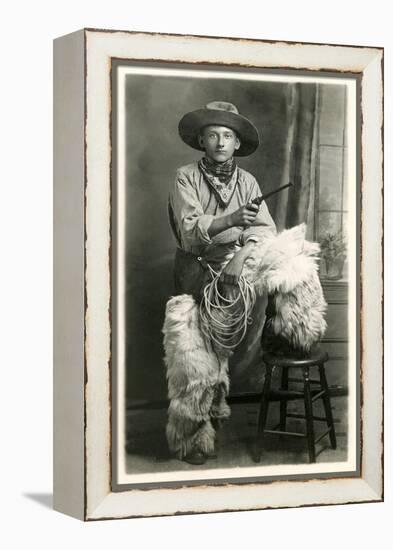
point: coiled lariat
(224, 320)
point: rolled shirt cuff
(202, 227)
(246, 238)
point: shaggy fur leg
(197, 380)
(179, 432)
(186, 436)
(204, 439)
(220, 409)
(286, 267)
(186, 433)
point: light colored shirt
(194, 206)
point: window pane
(332, 260)
(345, 225)
(329, 222)
(332, 114)
(330, 178)
(345, 181)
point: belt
(192, 256)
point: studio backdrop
(302, 139)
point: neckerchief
(221, 170)
(220, 178)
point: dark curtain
(292, 206)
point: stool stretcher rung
(318, 395)
(303, 417)
(295, 415)
(320, 418)
(279, 432)
(322, 435)
(300, 380)
(284, 394)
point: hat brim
(192, 123)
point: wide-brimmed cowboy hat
(219, 113)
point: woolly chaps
(285, 267)
(197, 380)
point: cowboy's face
(219, 142)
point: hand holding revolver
(245, 215)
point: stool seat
(306, 362)
(285, 361)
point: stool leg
(309, 414)
(263, 413)
(327, 406)
(283, 402)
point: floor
(147, 449)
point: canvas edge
(68, 275)
(372, 483)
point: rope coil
(225, 320)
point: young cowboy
(212, 218)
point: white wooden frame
(82, 335)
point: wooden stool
(284, 394)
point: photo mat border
(116, 485)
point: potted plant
(334, 253)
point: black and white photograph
(218, 210)
(197, 266)
(235, 274)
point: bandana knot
(219, 175)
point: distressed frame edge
(233, 38)
(375, 489)
(369, 496)
(372, 269)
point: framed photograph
(218, 274)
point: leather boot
(195, 458)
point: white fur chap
(197, 380)
(285, 266)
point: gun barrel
(259, 200)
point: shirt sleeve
(263, 224)
(190, 219)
